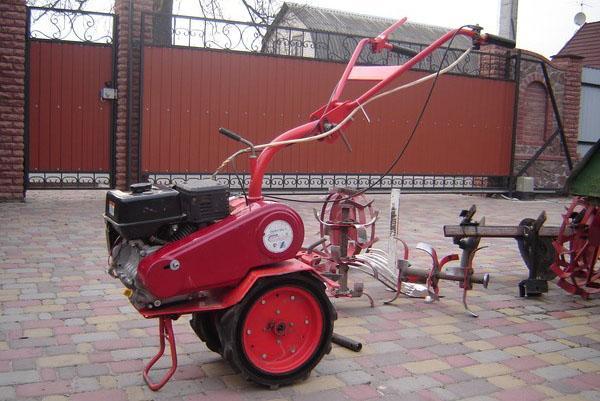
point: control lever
(490, 39)
(405, 51)
(238, 138)
(329, 126)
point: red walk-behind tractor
(233, 263)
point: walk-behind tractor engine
(235, 264)
(143, 221)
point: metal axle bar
(496, 231)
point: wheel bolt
(264, 356)
(278, 311)
(248, 331)
(263, 302)
(292, 297)
(306, 321)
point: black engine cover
(139, 214)
(204, 201)
(143, 211)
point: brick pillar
(494, 62)
(13, 14)
(550, 169)
(572, 66)
(123, 81)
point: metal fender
(225, 298)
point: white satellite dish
(579, 19)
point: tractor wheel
(578, 248)
(204, 325)
(280, 330)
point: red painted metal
(466, 130)
(165, 329)
(224, 298)
(578, 248)
(238, 242)
(255, 188)
(282, 329)
(69, 125)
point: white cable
(348, 117)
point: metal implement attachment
(345, 245)
(533, 238)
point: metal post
(26, 111)
(394, 225)
(511, 179)
(557, 116)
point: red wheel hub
(282, 329)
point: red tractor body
(258, 234)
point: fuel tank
(223, 253)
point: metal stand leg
(165, 327)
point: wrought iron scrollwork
(57, 180)
(291, 41)
(321, 183)
(70, 25)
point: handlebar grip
(488, 38)
(230, 134)
(405, 51)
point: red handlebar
(336, 111)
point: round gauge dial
(278, 236)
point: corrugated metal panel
(590, 75)
(589, 126)
(189, 94)
(69, 126)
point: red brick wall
(12, 98)
(571, 98)
(536, 121)
(533, 115)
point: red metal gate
(69, 124)
(188, 93)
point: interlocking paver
(487, 369)
(472, 388)
(412, 383)
(68, 333)
(555, 372)
(506, 381)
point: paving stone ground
(66, 332)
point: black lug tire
(231, 325)
(204, 325)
